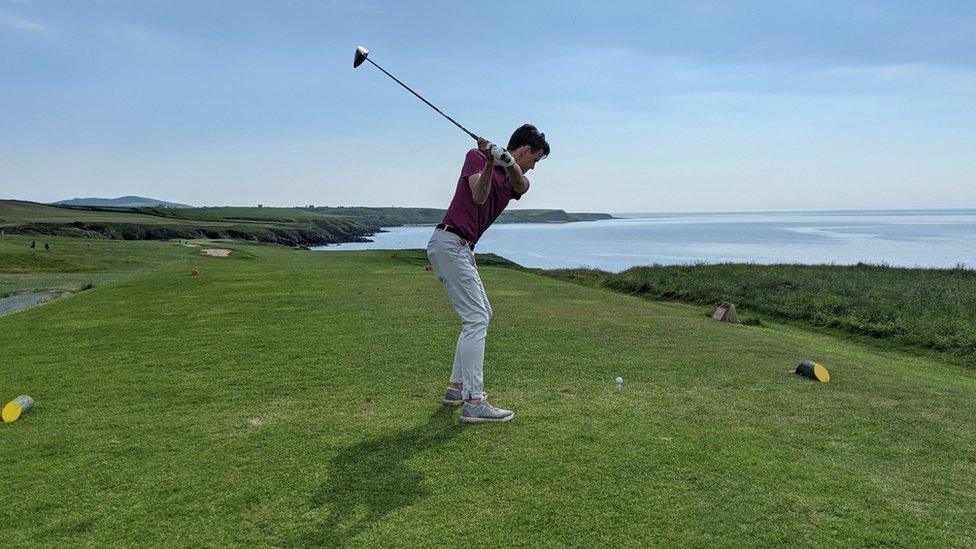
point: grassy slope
(373, 217)
(913, 308)
(146, 391)
(291, 226)
(15, 211)
(168, 223)
(72, 263)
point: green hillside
(373, 217)
(925, 309)
(121, 202)
(291, 226)
(289, 397)
(170, 223)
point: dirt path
(17, 302)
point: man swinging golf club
(490, 178)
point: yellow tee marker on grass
(813, 370)
(16, 408)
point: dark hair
(527, 134)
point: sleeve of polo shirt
(474, 162)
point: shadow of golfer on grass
(372, 479)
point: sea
(900, 238)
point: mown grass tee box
(293, 398)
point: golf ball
(619, 380)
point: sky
(653, 106)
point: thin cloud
(906, 73)
(23, 24)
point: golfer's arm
(519, 183)
(480, 184)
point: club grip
(501, 156)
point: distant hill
(298, 226)
(121, 202)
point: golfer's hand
(484, 147)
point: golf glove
(501, 156)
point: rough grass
(293, 399)
(918, 308)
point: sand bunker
(216, 252)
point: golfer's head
(528, 146)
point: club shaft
(429, 104)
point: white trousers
(453, 263)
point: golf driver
(500, 154)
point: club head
(361, 54)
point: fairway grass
(289, 397)
(73, 264)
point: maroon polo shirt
(464, 214)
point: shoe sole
(466, 419)
(447, 402)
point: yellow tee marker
(813, 370)
(16, 408)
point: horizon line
(630, 212)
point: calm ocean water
(908, 238)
